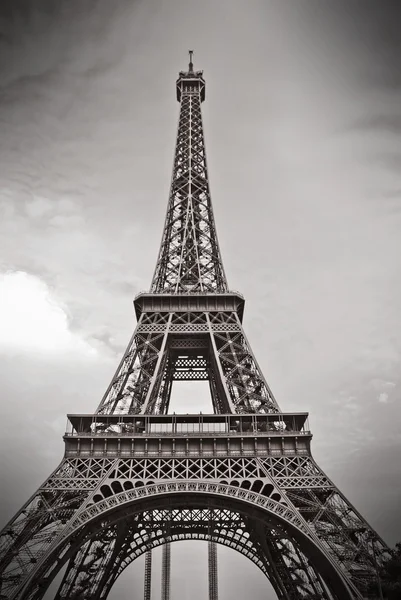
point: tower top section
(189, 260)
(191, 82)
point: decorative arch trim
(274, 507)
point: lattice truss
(292, 487)
(189, 258)
(188, 346)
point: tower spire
(189, 257)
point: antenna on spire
(191, 66)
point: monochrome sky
(303, 122)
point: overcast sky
(303, 123)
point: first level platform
(187, 435)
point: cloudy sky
(303, 123)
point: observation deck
(188, 435)
(146, 302)
(191, 82)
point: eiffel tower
(135, 476)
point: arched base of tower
(108, 535)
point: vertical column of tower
(212, 571)
(166, 570)
(148, 576)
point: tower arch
(245, 506)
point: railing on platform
(281, 424)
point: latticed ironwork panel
(133, 379)
(83, 488)
(219, 352)
(190, 367)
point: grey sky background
(303, 122)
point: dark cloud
(363, 34)
(389, 160)
(378, 123)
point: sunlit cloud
(32, 320)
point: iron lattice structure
(134, 477)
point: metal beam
(147, 591)
(166, 571)
(212, 570)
